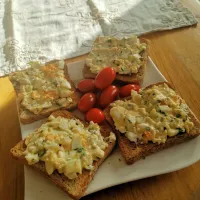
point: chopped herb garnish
(129, 121)
(80, 150)
(181, 131)
(148, 128)
(160, 111)
(41, 153)
(109, 40)
(158, 101)
(165, 128)
(121, 68)
(178, 115)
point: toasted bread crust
(27, 117)
(133, 152)
(76, 187)
(133, 78)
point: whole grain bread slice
(27, 117)
(133, 152)
(133, 78)
(76, 187)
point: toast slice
(132, 151)
(27, 116)
(133, 78)
(76, 187)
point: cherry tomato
(86, 102)
(125, 91)
(105, 77)
(95, 115)
(86, 85)
(108, 95)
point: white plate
(114, 170)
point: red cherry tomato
(95, 115)
(86, 102)
(86, 85)
(125, 91)
(105, 77)
(108, 95)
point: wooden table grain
(177, 55)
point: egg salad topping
(124, 55)
(65, 145)
(41, 87)
(153, 114)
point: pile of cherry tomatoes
(108, 93)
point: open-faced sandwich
(43, 89)
(127, 56)
(151, 120)
(67, 150)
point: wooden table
(177, 55)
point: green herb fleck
(41, 153)
(160, 111)
(121, 68)
(129, 121)
(181, 131)
(79, 150)
(109, 40)
(148, 128)
(158, 101)
(178, 115)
